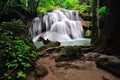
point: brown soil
(73, 70)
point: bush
(16, 26)
(17, 54)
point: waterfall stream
(58, 25)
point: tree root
(49, 50)
(69, 65)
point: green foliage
(21, 74)
(45, 5)
(68, 4)
(17, 54)
(16, 26)
(84, 7)
(11, 6)
(102, 12)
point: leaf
(102, 12)
(21, 74)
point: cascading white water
(60, 25)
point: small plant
(17, 55)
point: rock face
(110, 63)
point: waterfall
(59, 25)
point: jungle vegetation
(29, 8)
(17, 52)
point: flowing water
(58, 25)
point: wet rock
(43, 40)
(40, 70)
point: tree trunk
(95, 29)
(112, 26)
(110, 38)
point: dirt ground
(73, 70)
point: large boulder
(69, 53)
(110, 63)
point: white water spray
(60, 25)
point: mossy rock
(69, 53)
(110, 63)
(40, 70)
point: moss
(41, 70)
(69, 52)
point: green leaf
(21, 74)
(102, 12)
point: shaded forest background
(30, 8)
